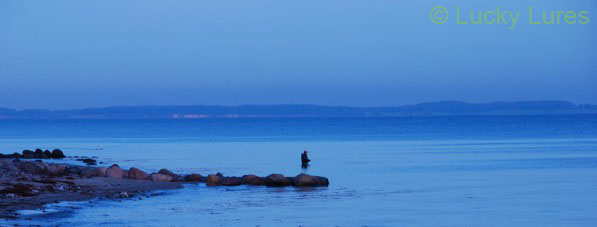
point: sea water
(404, 171)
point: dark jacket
(304, 158)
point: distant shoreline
(444, 108)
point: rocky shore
(30, 184)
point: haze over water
(474, 170)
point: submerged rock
(276, 180)
(89, 160)
(306, 180)
(137, 174)
(114, 171)
(160, 177)
(252, 180)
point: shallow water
(510, 170)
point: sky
(75, 54)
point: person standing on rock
(304, 159)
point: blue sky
(72, 54)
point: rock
(43, 156)
(178, 179)
(168, 172)
(33, 167)
(306, 180)
(114, 171)
(100, 171)
(137, 174)
(160, 177)
(214, 179)
(193, 177)
(73, 170)
(87, 171)
(48, 153)
(231, 181)
(125, 174)
(276, 180)
(28, 154)
(38, 152)
(89, 160)
(2, 156)
(252, 180)
(55, 170)
(15, 155)
(57, 153)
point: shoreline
(20, 190)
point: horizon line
(286, 104)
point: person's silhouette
(304, 159)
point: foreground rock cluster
(31, 184)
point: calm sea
(473, 170)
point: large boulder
(100, 171)
(114, 171)
(252, 180)
(214, 179)
(137, 174)
(193, 177)
(306, 180)
(231, 181)
(15, 155)
(57, 153)
(160, 177)
(276, 180)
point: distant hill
(276, 111)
